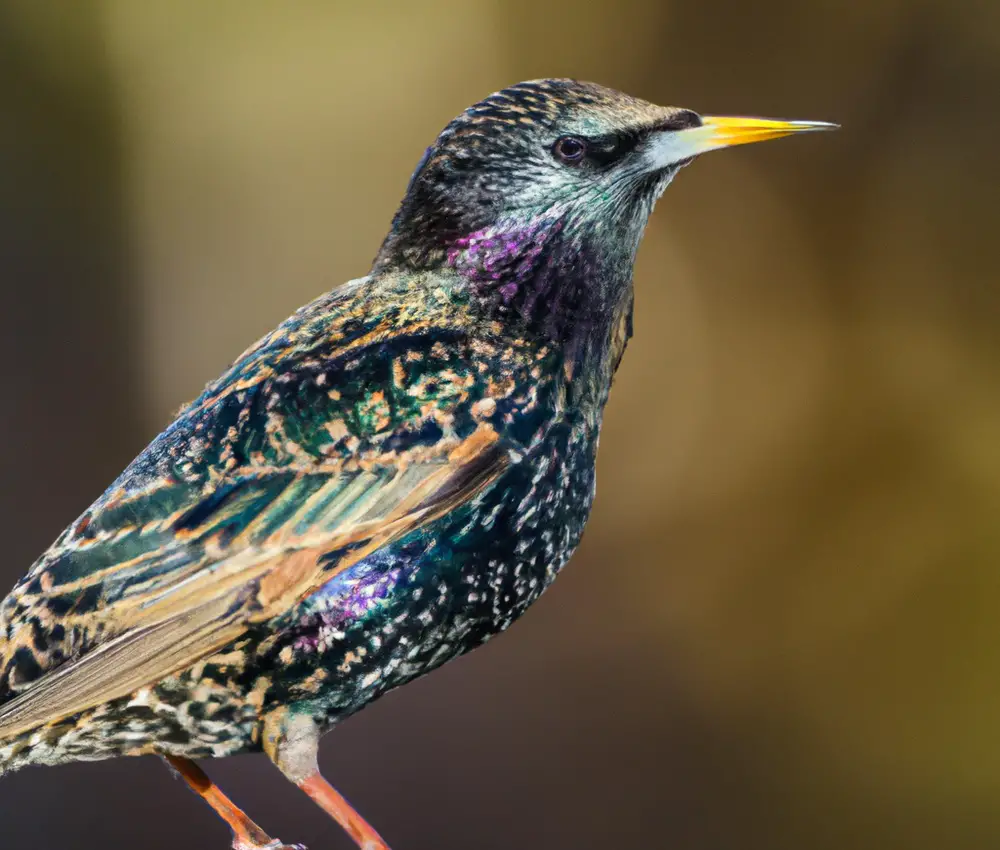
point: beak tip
(815, 126)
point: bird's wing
(338, 434)
(281, 536)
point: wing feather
(169, 622)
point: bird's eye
(569, 149)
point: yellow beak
(677, 146)
(725, 132)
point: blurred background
(781, 630)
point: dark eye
(569, 149)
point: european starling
(384, 482)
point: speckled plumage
(403, 399)
(384, 482)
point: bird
(379, 485)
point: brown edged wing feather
(158, 627)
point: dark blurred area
(781, 628)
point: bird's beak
(723, 132)
(671, 147)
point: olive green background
(781, 630)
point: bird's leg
(292, 742)
(333, 803)
(246, 834)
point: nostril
(680, 119)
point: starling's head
(538, 149)
(554, 148)
(540, 193)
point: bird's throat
(557, 280)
